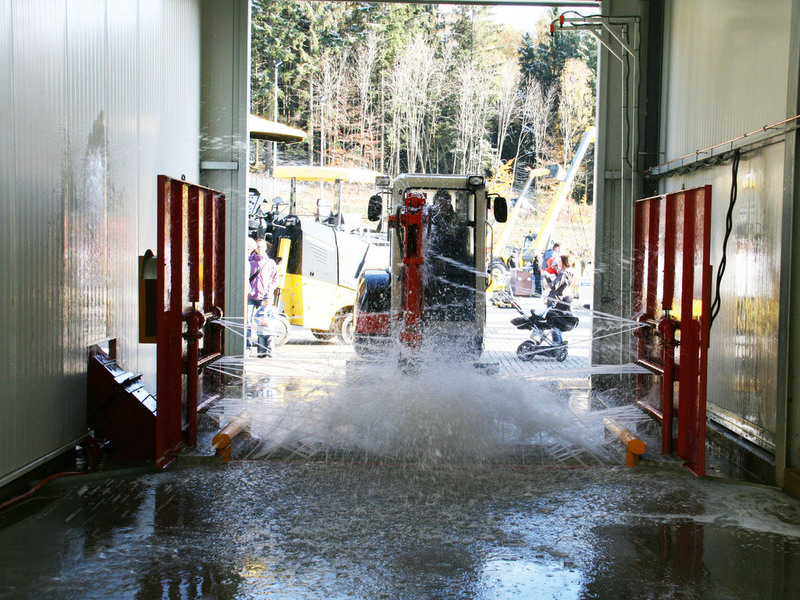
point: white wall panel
(8, 235)
(122, 192)
(84, 295)
(180, 93)
(149, 97)
(726, 70)
(40, 169)
(99, 97)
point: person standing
(550, 264)
(249, 249)
(263, 281)
(560, 296)
(448, 260)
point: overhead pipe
(751, 140)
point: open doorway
(465, 89)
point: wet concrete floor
(305, 530)
(313, 530)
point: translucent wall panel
(743, 357)
(726, 75)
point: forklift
(433, 294)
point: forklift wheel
(344, 328)
(499, 272)
(283, 329)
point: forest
(421, 88)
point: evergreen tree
(543, 55)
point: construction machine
(321, 257)
(433, 294)
(562, 194)
(507, 256)
(535, 243)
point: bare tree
(410, 89)
(331, 81)
(364, 66)
(575, 103)
(442, 93)
(537, 106)
(508, 102)
(473, 107)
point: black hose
(715, 305)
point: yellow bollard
(634, 447)
(222, 441)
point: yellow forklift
(321, 259)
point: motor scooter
(541, 342)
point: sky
(523, 18)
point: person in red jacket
(552, 263)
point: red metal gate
(672, 293)
(191, 290)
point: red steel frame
(413, 220)
(191, 290)
(672, 293)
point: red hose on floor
(93, 448)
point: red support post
(171, 261)
(194, 333)
(651, 273)
(640, 228)
(666, 329)
(668, 270)
(687, 383)
(413, 222)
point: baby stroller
(543, 342)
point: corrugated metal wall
(726, 70)
(725, 75)
(98, 97)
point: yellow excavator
(504, 255)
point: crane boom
(512, 218)
(564, 190)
